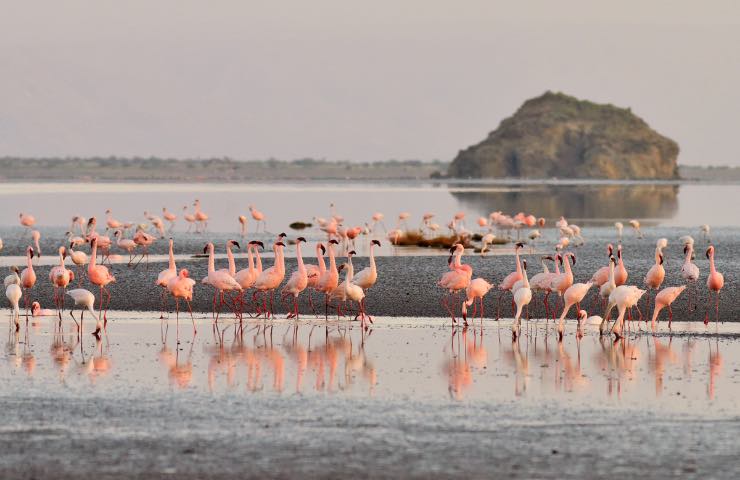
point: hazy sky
(342, 79)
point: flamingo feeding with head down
(14, 293)
(477, 289)
(86, 301)
(664, 299)
(574, 295)
(507, 284)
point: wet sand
(406, 283)
(410, 398)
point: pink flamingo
(562, 282)
(623, 297)
(112, 223)
(367, 277)
(715, 282)
(247, 276)
(511, 279)
(258, 217)
(620, 272)
(28, 277)
(164, 277)
(243, 227)
(189, 217)
(690, 272)
(170, 217)
(574, 295)
(664, 299)
(220, 280)
(201, 218)
(181, 286)
(655, 276)
(27, 220)
(541, 282)
(298, 281)
(36, 236)
(103, 242)
(230, 256)
(270, 279)
(601, 276)
(125, 244)
(477, 289)
(355, 293)
(100, 275)
(329, 280)
(455, 280)
(315, 272)
(60, 276)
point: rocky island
(556, 135)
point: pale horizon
(416, 80)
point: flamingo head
(334, 242)
(341, 267)
(35, 306)
(184, 273)
(610, 249)
(519, 245)
(548, 257)
(235, 243)
(582, 314)
(613, 260)
(619, 252)
(30, 252)
(710, 251)
(375, 242)
(92, 221)
(559, 258)
(205, 249)
(351, 253)
(14, 269)
(300, 239)
(63, 252)
(322, 248)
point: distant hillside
(114, 169)
(556, 135)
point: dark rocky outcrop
(556, 135)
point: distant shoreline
(224, 170)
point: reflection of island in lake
(587, 203)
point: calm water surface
(54, 204)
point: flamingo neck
(320, 260)
(373, 268)
(230, 255)
(332, 261)
(280, 261)
(612, 282)
(250, 256)
(350, 274)
(657, 256)
(525, 279)
(93, 257)
(61, 260)
(518, 263)
(545, 270)
(557, 267)
(301, 266)
(689, 252)
(172, 258)
(211, 263)
(711, 263)
(258, 259)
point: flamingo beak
(205, 249)
(236, 244)
(352, 253)
(301, 239)
(261, 244)
(708, 249)
(376, 242)
(323, 250)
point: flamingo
(103, 242)
(562, 282)
(574, 295)
(13, 278)
(663, 299)
(36, 236)
(189, 217)
(689, 271)
(144, 240)
(247, 276)
(620, 227)
(354, 292)
(201, 218)
(457, 278)
(271, 278)
(28, 277)
(37, 311)
(110, 222)
(78, 223)
(620, 272)
(329, 280)
(164, 277)
(60, 276)
(377, 219)
(170, 217)
(541, 282)
(79, 258)
(258, 217)
(715, 282)
(508, 282)
(86, 301)
(486, 241)
(635, 224)
(125, 244)
(27, 220)
(243, 226)
(230, 256)
(367, 277)
(623, 297)
(220, 280)
(100, 275)
(601, 276)
(315, 272)
(14, 293)
(704, 229)
(522, 297)
(477, 289)
(298, 281)
(181, 286)
(606, 289)
(74, 240)
(655, 276)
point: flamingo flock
(345, 289)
